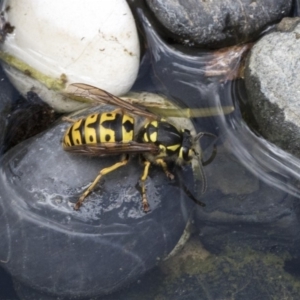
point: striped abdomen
(100, 128)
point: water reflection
(271, 164)
(296, 8)
(182, 76)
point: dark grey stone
(6, 99)
(109, 243)
(272, 78)
(218, 23)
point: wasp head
(187, 151)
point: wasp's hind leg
(101, 173)
(145, 203)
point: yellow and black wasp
(129, 129)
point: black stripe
(98, 128)
(185, 152)
(168, 135)
(116, 126)
(71, 136)
(82, 131)
(128, 126)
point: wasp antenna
(212, 157)
(203, 177)
(214, 153)
(188, 192)
(199, 135)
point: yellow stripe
(153, 137)
(180, 155)
(173, 147)
(76, 135)
(90, 133)
(66, 139)
(146, 137)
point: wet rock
(178, 72)
(29, 117)
(272, 78)
(216, 23)
(244, 211)
(197, 274)
(6, 291)
(7, 93)
(109, 243)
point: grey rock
(6, 98)
(218, 23)
(272, 78)
(109, 243)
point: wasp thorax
(172, 143)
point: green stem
(56, 84)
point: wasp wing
(105, 149)
(87, 93)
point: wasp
(129, 129)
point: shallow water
(246, 164)
(181, 76)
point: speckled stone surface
(272, 78)
(218, 23)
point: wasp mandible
(120, 131)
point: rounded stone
(94, 43)
(217, 23)
(109, 243)
(272, 78)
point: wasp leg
(164, 165)
(101, 173)
(145, 203)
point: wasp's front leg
(164, 165)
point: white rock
(93, 42)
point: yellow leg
(101, 173)
(164, 165)
(145, 203)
